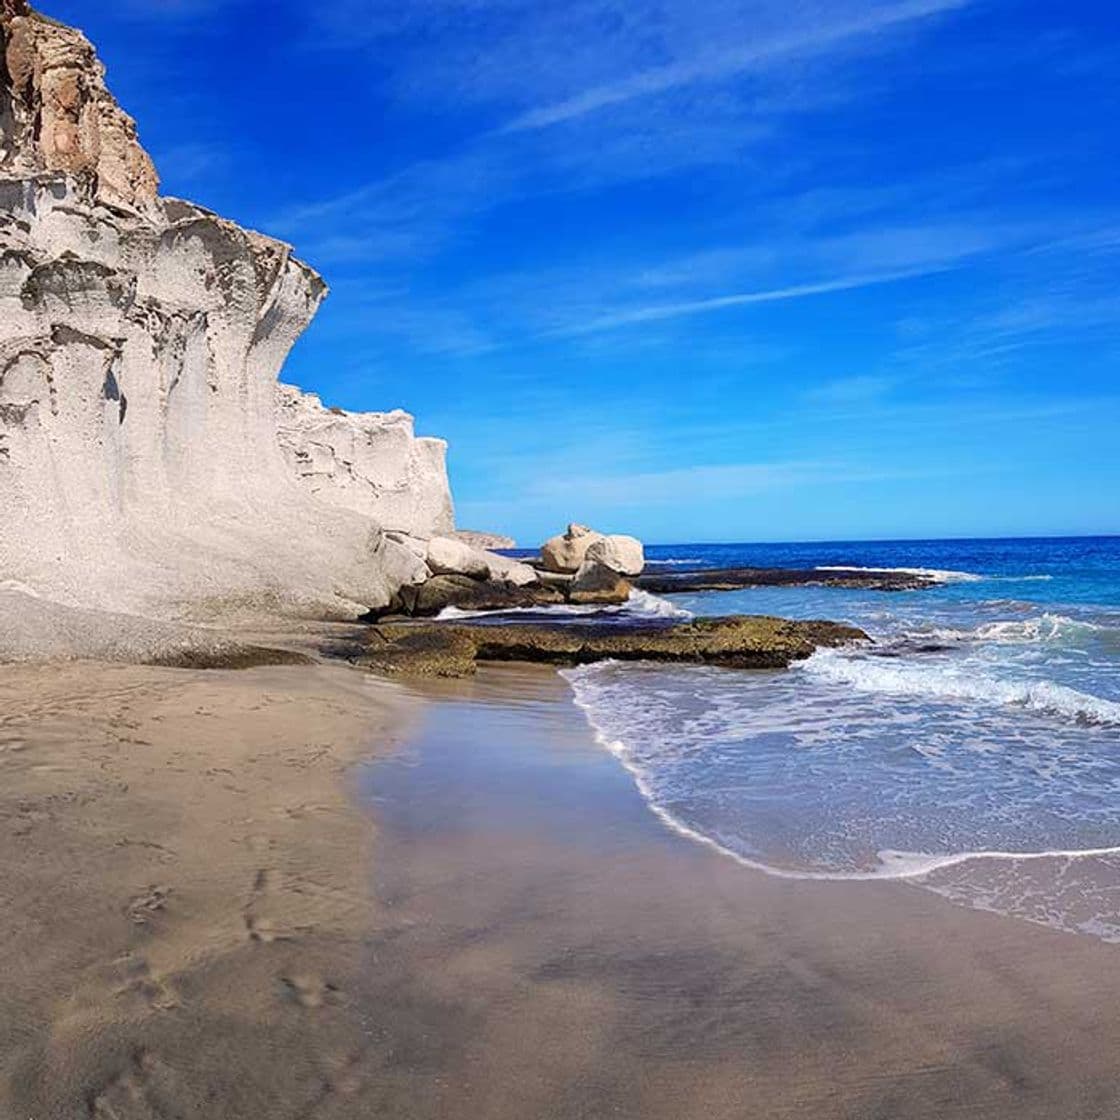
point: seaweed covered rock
(738, 642)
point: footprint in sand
(144, 1090)
(258, 923)
(307, 990)
(139, 981)
(142, 909)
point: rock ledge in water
(738, 642)
(733, 579)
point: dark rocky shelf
(733, 579)
(738, 642)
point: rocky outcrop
(565, 553)
(438, 649)
(57, 116)
(140, 342)
(450, 557)
(733, 579)
(595, 583)
(621, 554)
(368, 462)
(428, 599)
(511, 571)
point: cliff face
(368, 462)
(57, 115)
(140, 342)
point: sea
(970, 748)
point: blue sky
(693, 269)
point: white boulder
(447, 557)
(506, 570)
(418, 546)
(567, 552)
(619, 553)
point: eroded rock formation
(140, 342)
(368, 462)
(565, 553)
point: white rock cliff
(148, 460)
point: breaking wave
(641, 606)
(938, 575)
(598, 698)
(959, 682)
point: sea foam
(640, 606)
(959, 682)
(938, 575)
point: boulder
(438, 593)
(511, 571)
(596, 583)
(447, 557)
(562, 580)
(399, 562)
(619, 553)
(418, 546)
(567, 552)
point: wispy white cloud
(655, 312)
(718, 482)
(628, 90)
(857, 390)
(808, 40)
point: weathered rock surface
(565, 553)
(621, 554)
(140, 341)
(448, 557)
(418, 546)
(440, 649)
(481, 581)
(506, 570)
(732, 579)
(34, 629)
(368, 462)
(568, 551)
(486, 541)
(57, 116)
(596, 583)
(427, 599)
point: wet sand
(558, 953)
(212, 908)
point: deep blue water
(1077, 569)
(973, 748)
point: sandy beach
(218, 902)
(185, 902)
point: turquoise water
(973, 748)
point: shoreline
(303, 891)
(894, 866)
(607, 966)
